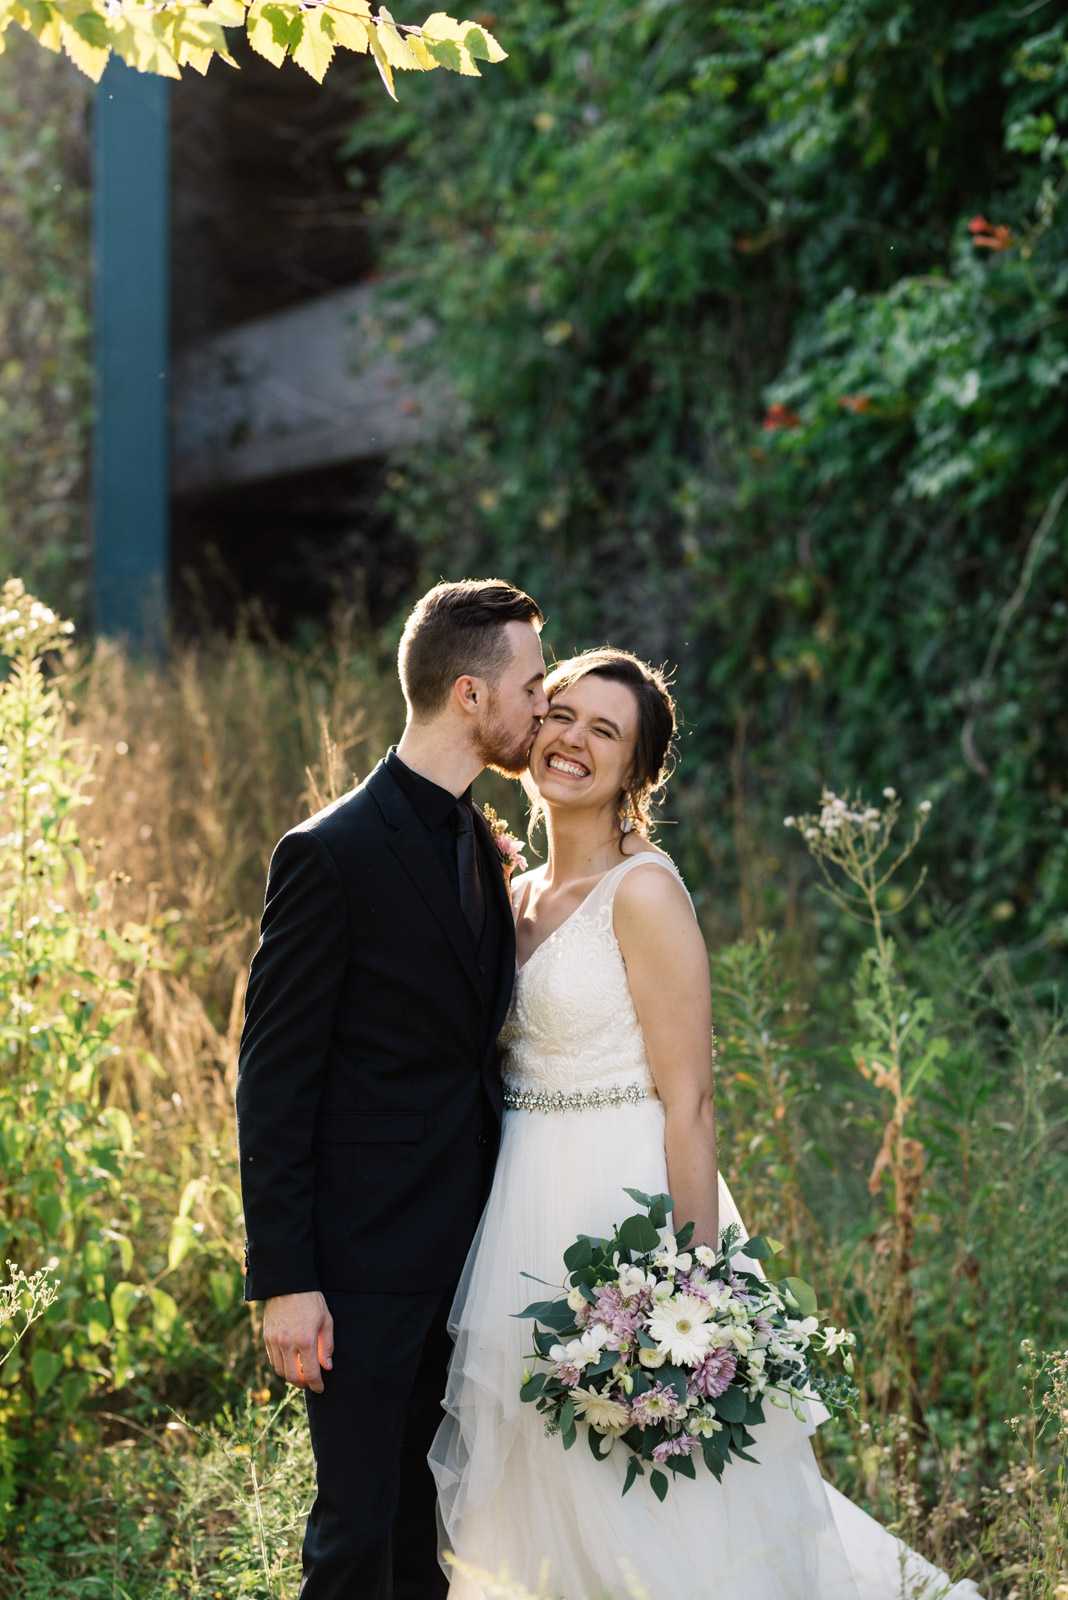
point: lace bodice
(571, 1024)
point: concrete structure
(319, 384)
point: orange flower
(780, 416)
(989, 235)
(855, 402)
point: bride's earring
(626, 821)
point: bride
(612, 1010)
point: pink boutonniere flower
(509, 849)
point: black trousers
(372, 1531)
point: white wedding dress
(510, 1496)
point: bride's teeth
(558, 765)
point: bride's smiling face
(584, 751)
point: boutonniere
(509, 850)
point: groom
(368, 1101)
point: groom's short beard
(497, 749)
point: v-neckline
(571, 914)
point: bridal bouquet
(675, 1352)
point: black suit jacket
(368, 1098)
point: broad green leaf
(634, 1470)
(164, 1312)
(97, 1321)
(804, 1295)
(659, 1483)
(116, 1118)
(638, 1234)
(222, 1289)
(45, 1367)
(50, 1211)
(730, 1405)
(87, 44)
(759, 1248)
(124, 1297)
(640, 1196)
(578, 1255)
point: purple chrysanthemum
(683, 1445)
(658, 1404)
(713, 1373)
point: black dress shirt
(434, 807)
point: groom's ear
(470, 694)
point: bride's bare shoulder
(653, 893)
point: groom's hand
(298, 1331)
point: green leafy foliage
(745, 390)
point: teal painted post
(131, 355)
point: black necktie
(472, 902)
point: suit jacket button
(482, 968)
(481, 1140)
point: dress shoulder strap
(614, 877)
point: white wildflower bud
(789, 822)
(890, 794)
(925, 806)
(812, 833)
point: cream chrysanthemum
(600, 1410)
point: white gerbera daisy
(600, 1410)
(679, 1326)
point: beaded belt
(556, 1100)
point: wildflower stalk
(853, 846)
(25, 1297)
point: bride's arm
(667, 968)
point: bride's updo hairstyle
(653, 754)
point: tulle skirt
(511, 1497)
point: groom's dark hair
(457, 629)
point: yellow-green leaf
(262, 35)
(396, 50)
(349, 19)
(440, 31)
(228, 13)
(88, 56)
(183, 1238)
(482, 46)
(385, 72)
(316, 48)
(190, 55)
